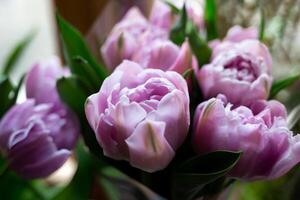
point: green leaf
(283, 83)
(16, 53)
(187, 73)
(87, 74)
(262, 25)
(17, 90)
(191, 178)
(173, 8)
(177, 34)
(6, 94)
(14, 187)
(74, 46)
(210, 17)
(71, 93)
(199, 47)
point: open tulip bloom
(133, 111)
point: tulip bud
(133, 115)
(240, 71)
(269, 149)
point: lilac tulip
(240, 71)
(37, 136)
(41, 86)
(269, 147)
(32, 139)
(140, 115)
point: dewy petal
(148, 148)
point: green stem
(35, 191)
(3, 170)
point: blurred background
(95, 18)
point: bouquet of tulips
(171, 112)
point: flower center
(242, 67)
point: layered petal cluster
(37, 136)
(268, 148)
(140, 115)
(146, 41)
(241, 71)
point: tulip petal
(148, 148)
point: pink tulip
(165, 55)
(240, 71)
(269, 149)
(122, 41)
(140, 115)
(161, 14)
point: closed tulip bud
(239, 71)
(140, 115)
(269, 149)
